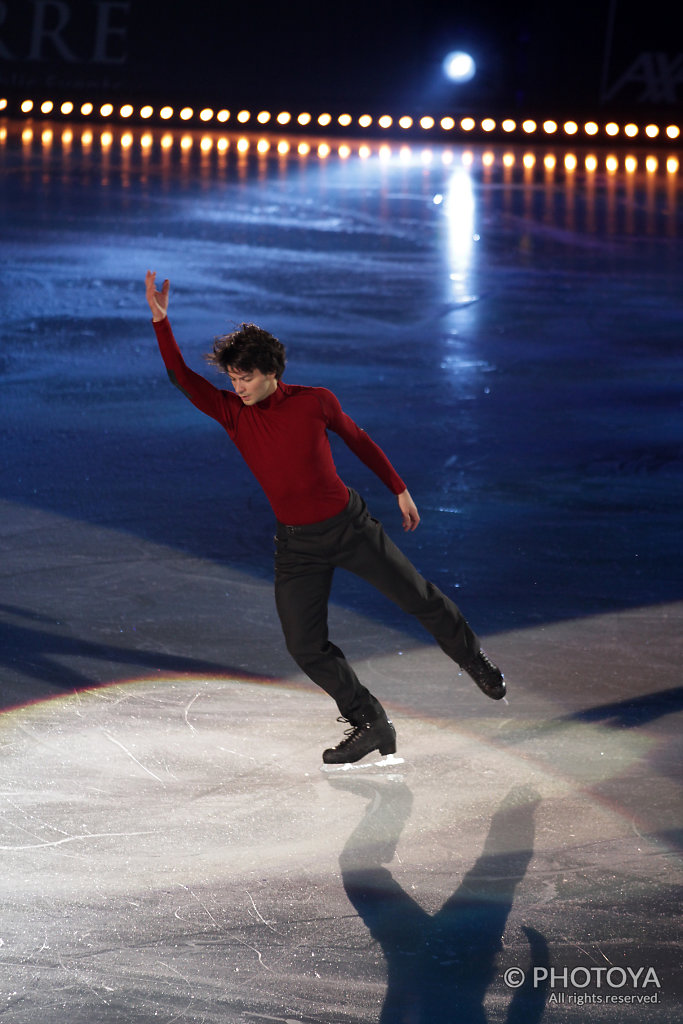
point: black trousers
(305, 560)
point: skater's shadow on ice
(440, 967)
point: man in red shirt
(281, 432)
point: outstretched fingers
(157, 300)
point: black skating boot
(368, 731)
(486, 675)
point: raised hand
(158, 300)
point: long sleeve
(284, 439)
(360, 443)
(211, 400)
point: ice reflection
(460, 211)
(459, 207)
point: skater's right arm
(211, 400)
(158, 300)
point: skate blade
(389, 761)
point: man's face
(252, 386)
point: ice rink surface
(510, 333)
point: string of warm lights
(446, 126)
(263, 145)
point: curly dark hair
(248, 348)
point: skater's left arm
(409, 514)
(371, 454)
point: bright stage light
(459, 66)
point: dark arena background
(466, 220)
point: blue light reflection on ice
(459, 208)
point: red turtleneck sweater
(283, 439)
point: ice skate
(486, 675)
(366, 734)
